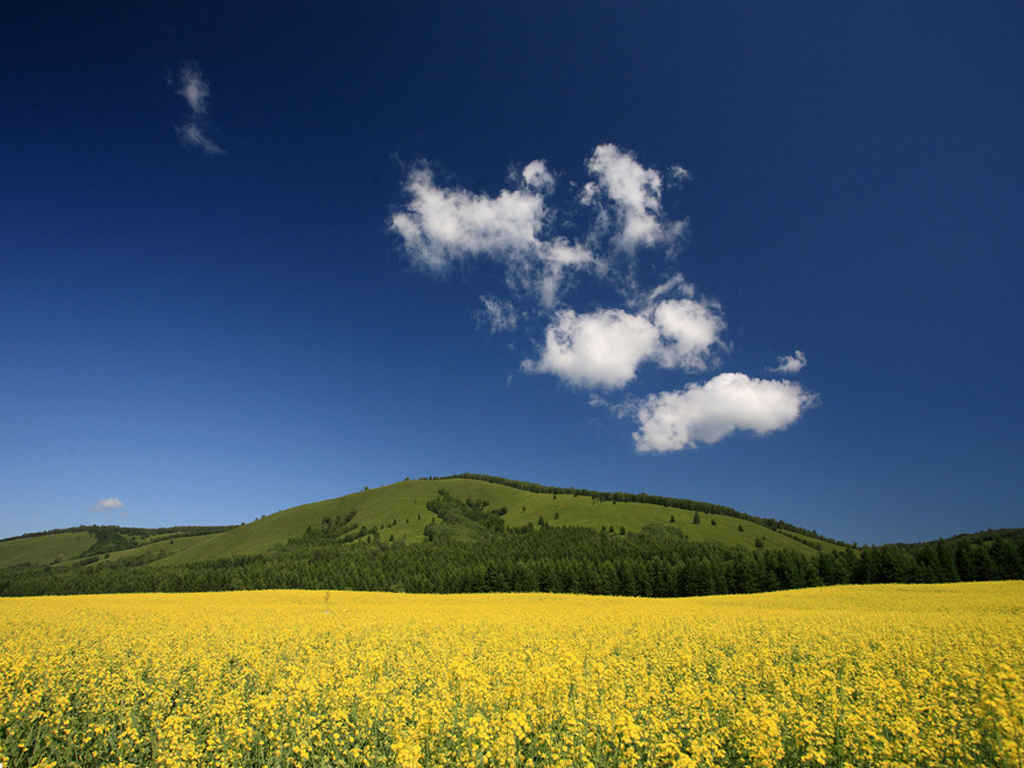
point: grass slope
(399, 510)
(88, 544)
(45, 549)
(152, 550)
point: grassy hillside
(45, 549)
(399, 511)
(88, 544)
(149, 551)
(476, 534)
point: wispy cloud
(108, 504)
(498, 315)
(196, 91)
(678, 173)
(791, 363)
(192, 135)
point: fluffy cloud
(499, 315)
(791, 363)
(196, 91)
(439, 226)
(604, 348)
(537, 176)
(705, 413)
(105, 505)
(689, 329)
(597, 349)
(634, 195)
(615, 215)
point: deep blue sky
(213, 337)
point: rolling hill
(481, 533)
(398, 513)
(86, 544)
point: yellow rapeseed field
(925, 675)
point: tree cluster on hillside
(657, 562)
(663, 501)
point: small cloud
(440, 226)
(634, 194)
(596, 349)
(679, 174)
(499, 315)
(706, 413)
(604, 348)
(191, 134)
(791, 363)
(537, 176)
(196, 91)
(105, 505)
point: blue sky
(245, 256)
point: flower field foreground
(924, 675)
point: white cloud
(705, 413)
(196, 91)
(537, 176)
(105, 505)
(634, 193)
(674, 283)
(597, 349)
(440, 226)
(543, 249)
(604, 348)
(191, 134)
(678, 173)
(499, 315)
(688, 329)
(791, 363)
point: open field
(921, 675)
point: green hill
(471, 533)
(86, 544)
(44, 549)
(399, 511)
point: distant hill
(72, 546)
(398, 512)
(478, 532)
